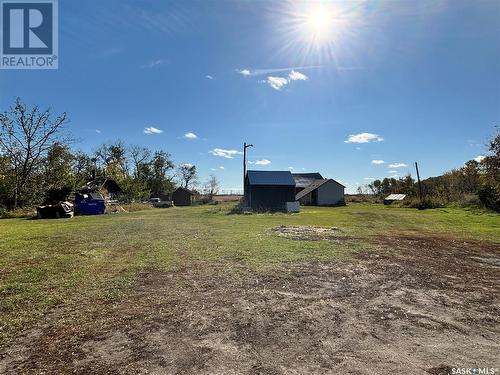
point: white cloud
(263, 162)
(392, 171)
(208, 76)
(363, 138)
(378, 161)
(152, 130)
(190, 136)
(228, 154)
(479, 158)
(98, 131)
(258, 72)
(277, 83)
(397, 165)
(291, 168)
(153, 64)
(368, 178)
(297, 76)
(394, 176)
(221, 167)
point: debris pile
(310, 233)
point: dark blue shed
(269, 190)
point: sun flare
(319, 20)
(317, 29)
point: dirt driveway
(424, 306)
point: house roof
(316, 184)
(395, 197)
(283, 178)
(303, 180)
(186, 190)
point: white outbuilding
(394, 198)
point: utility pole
(419, 184)
(245, 146)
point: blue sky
(356, 90)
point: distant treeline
(477, 183)
(36, 159)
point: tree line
(37, 162)
(477, 183)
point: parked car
(157, 202)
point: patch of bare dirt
(310, 233)
(419, 305)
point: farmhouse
(183, 197)
(324, 192)
(303, 180)
(269, 190)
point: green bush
(427, 202)
(363, 198)
(18, 213)
(469, 200)
(490, 197)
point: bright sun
(319, 20)
(315, 27)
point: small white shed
(393, 198)
(325, 192)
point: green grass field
(46, 263)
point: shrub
(18, 213)
(363, 198)
(469, 200)
(489, 196)
(428, 202)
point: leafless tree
(112, 159)
(26, 134)
(187, 174)
(212, 186)
(140, 157)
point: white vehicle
(157, 202)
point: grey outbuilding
(324, 192)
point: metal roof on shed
(270, 178)
(316, 184)
(303, 180)
(395, 197)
